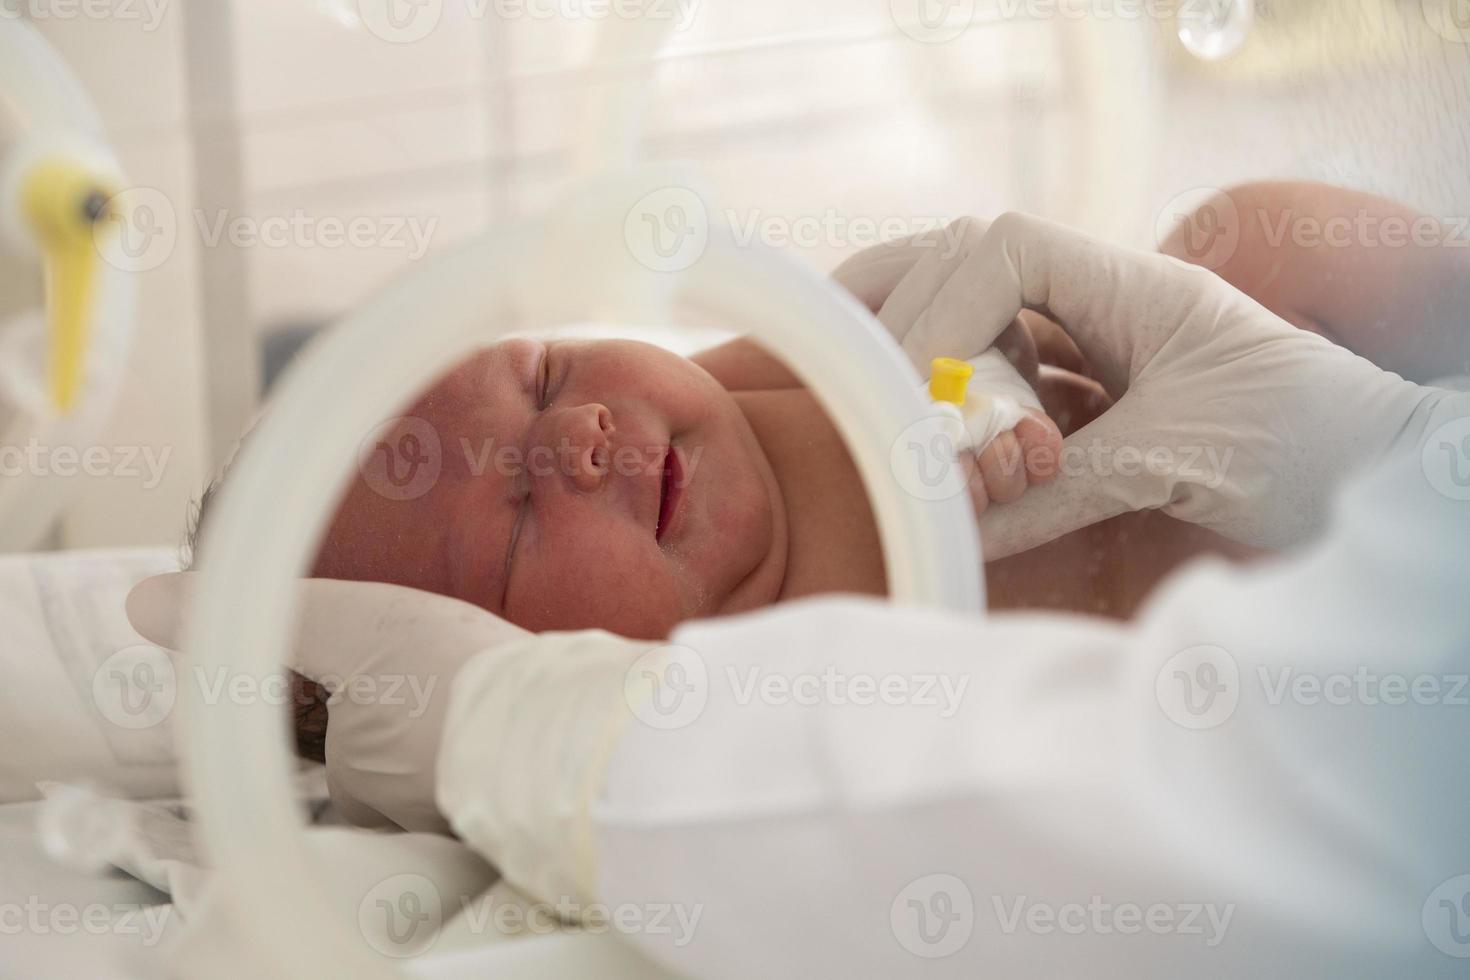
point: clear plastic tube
(237, 754)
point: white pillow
(85, 699)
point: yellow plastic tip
(63, 202)
(948, 377)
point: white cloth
(150, 840)
(997, 398)
(371, 877)
(59, 924)
(74, 705)
(1164, 799)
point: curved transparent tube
(238, 759)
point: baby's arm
(1376, 277)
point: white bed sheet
(59, 923)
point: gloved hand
(389, 655)
(1226, 415)
(1011, 450)
(896, 279)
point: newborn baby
(614, 484)
(617, 485)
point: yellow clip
(63, 202)
(947, 380)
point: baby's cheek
(607, 582)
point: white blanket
(66, 655)
(73, 713)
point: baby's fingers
(1041, 447)
(1027, 456)
(1003, 468)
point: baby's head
(581, 484)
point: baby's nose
(586, 431)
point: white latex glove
(897, 280)
(1227, 416)
(894, 280)
(388, 654)
(874, 274)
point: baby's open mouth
(671, 492)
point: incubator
(605, 240)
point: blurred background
(821, 126)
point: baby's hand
(1028, 455)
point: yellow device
(948, 377)
(63, 203)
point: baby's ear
(156, 607)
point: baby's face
(603, 484)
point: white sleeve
(1263, 775)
